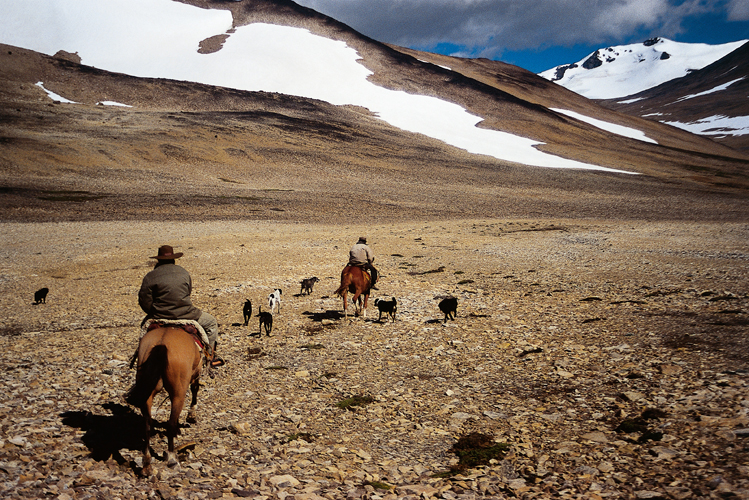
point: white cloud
(738, 10)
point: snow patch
(630, 101)
(607, 126)
(53, 96)
(717, 125)
(712, 90)
(113, 103)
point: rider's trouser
(210, 325)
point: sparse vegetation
(379, 485)
(473, 450)
(353, 402)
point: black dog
(449, 306)
(40, 296)
(247, 310)
(307, 285)
(389, 307)
(266, 319)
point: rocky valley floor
(610, 357)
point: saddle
(193, 328)
(188, 325)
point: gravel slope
(565, 330)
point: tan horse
(168, 358)
(356, 280)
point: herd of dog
(388, 308)
(448, 306)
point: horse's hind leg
(194, 387)
(172, 427)
(345, 304)
(146, 412)
(366, 299)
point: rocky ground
(610, 357)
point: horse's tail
(149, 374)
(345, 282)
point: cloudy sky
(537, 34)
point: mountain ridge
(264, 154)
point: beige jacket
(360, 254)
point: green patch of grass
(379, 485)
(351, 403)
(465, 282)
(276, 367)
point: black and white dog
(274, 300)
(307, 285)
(389, 307)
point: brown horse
(356, 280)
(168, 358)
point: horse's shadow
(319, 316)
(106, 435)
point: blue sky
(537, 34)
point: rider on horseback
(165, 294)
(361, 255)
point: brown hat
(363, 239)
(166, 252)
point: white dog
(274, 300)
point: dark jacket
(165, 293)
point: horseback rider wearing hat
(361, 255)
(165, 294)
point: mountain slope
(711, 102)
(624, 70)
(251, 154)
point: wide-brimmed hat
(166, 252)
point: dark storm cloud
(489, 27)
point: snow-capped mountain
(711, 101)
(624, 70)
(96, 89)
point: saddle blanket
(189, 325)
